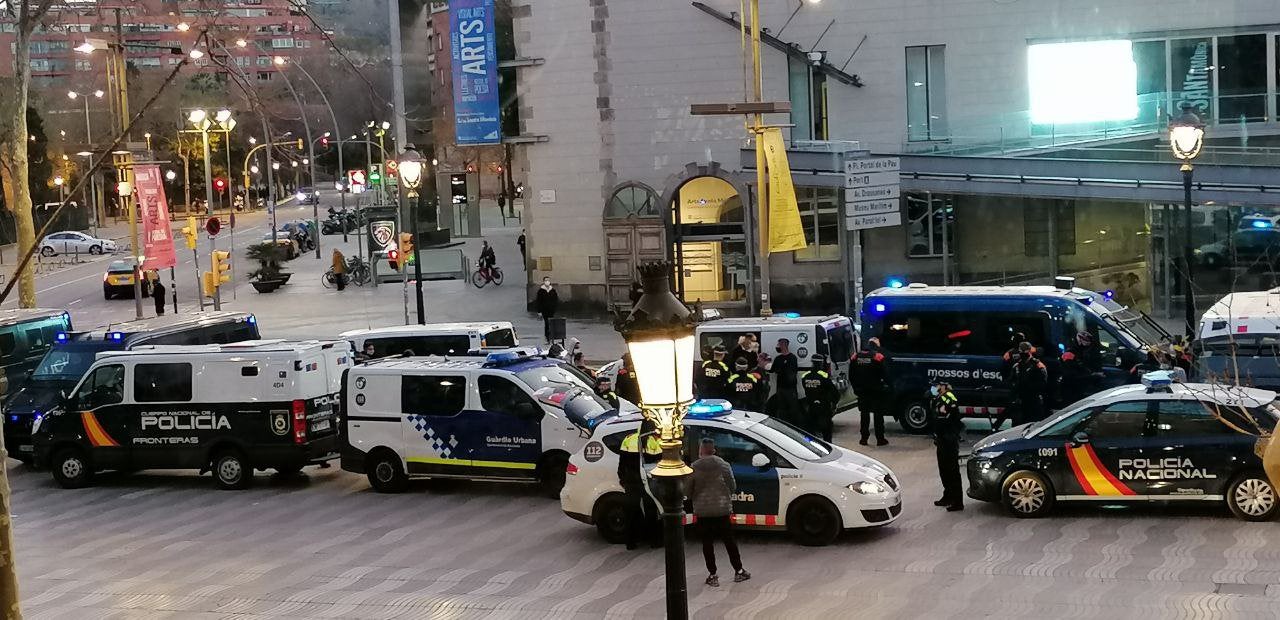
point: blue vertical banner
(474, 49)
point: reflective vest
(631, 443)
(948, 398)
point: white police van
(786, 478)
(434, 338)
(229, 409)
(503, 417)
(1239, 340)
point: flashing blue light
(709, 408)
(61, 338)
(1261, 223)
(1062, 347)
(115, 336)
(252, 319)
(1109, 294)
(503, 357)
(878, 308)
(896, 283)
(789, 315)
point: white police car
(1161, 441)
(786, 478)
(503, 417)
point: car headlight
(866, 487)
(989, 454)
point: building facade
(1032, 140)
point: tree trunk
(13, 162)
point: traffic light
(300, 144)
(190, 231)
(220, 184)
(221, 267)
(324, 141)
(208, 284)
(393, 259)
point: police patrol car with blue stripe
(1160, 441)
(786, 478)
(507, 416)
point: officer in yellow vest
(744, 387)
(947, 426)
(643, 517)
(820, 398)
(713, 376)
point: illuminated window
(927, 93)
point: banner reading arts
(474, 51)
(786, 232)
(157, 235)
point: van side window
(935, 333)
(35, 340)
(162, 383)
(500, 395)
(500, 338)
(104, 387)
(728, 340)
(7, 344)
(433, 395)
(1000, 328)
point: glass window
(1035, 226)
(162, 383)
(1118, 420)
(614, 442)
(1188, 417)
(1242, 78)
(632, 201)
(104, 387)
(926, 224)
(999, 329)
(735, 448)
(35, 339)
(500, 338)
(946, 333)
(729, 340)
(926, 93)
(433, 395)
(840, 342)
(807, 87)
(500, 395)
(793, 440)
(1191, 63)
(820, 215)
(7, 344)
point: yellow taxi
(118, 280)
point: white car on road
(74, 242)
(786, 479)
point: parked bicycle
(358, 273)
(485, 275)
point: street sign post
(872, 193)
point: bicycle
(483, 276)
(357, 273)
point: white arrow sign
(879, 220)
(880, 164)
(880, 192)
(870, 179)
(869, 207)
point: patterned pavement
(171, 546)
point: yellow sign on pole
(786, 232)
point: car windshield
(568, 389)
(67, 362)
(121, 266)
(1135, 323)
(795, 441)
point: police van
(786, 479)
(1239, 340)
(25, 335)
(434, 338)
(960, 333)
(69, 353)
(503, 417)
(230, 409)
(1159, 441)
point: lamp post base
(669, 491)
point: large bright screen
(1082, 82)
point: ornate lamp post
(1186, 137)
(659, 334)
(410, 171)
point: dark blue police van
(959, 334)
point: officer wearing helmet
(744, 387)
(1030, 382)
(1081, 373)
(713, 375)
(820, 398)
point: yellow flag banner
(786, 233)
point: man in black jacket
(546, 303)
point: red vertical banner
(157, 234)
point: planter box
(267, 286)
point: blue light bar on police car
(1158, 379)
(709, 408)
(1261, 223)
(789, 315)
(61, 338)
(115, 336)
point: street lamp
(410, 172)
(88, 131)
(1186, 138)
(170, 175)
(659, 334)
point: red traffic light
(393, 258)
(220, 184)
(324, 142)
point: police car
(786, 479)
(1160, 441)
(503, 417)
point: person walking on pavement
(157, 292)
(820, 398)
(713, 375)
(947, 426)
(711, 490)
(867, 374)
(1031, 380)
(339, 269)
(642, 519)
(547, 302)
(524, 255)
(744, 387)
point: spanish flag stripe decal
(1075, 467)
(1119, 486)
(1093, 475)
(97, 435)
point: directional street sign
(878, 164)
(872, 193)
(870, 179)
(870, 207)
(878, 220)
(880, 192)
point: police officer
(713, 376)
(820, 398)
(604, 389)
(867, 374)
(627, 386)
(785, 402)
(643, 518)
(947, 427)
(1081, 373)
(744, 387)
(1030, 382)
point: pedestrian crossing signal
(393, 259)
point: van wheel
(1026, 494)
(813, 522)
(612, 517)
(914, 416)
(386, 474)
(551, 474)
(71, 468)
(1251, 497)
(231, 471)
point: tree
(26, 15)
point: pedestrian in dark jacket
(947, 426)
(157, 292)
(547, 303)
(626, 384)
(870, 383)
(820, 398)
(711, 490)
(524, 255)
(639, 448)
(1030, 382)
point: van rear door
(837, 340)
(318, 388)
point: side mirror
(68, 402)
(1080, 438)
(761, 461)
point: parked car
(73, 242)
(308, 196)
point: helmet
(819, 360)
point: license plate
(26, 448)
(322, 425)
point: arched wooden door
(634, 233)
